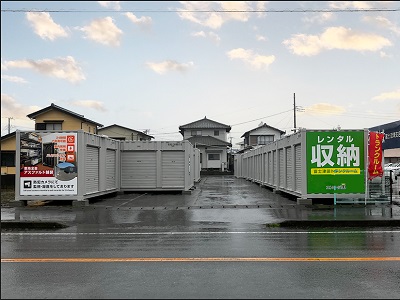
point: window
(265, 139)
(8, 159)
(196, 132)
(213, 156)
(201, 157)
(216, 132)
(48, 126)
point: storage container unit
(74, 165)
(310, 164)
(157, 166)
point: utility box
(156, 166)
(65, 165)
(310, 164)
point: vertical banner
(375, 155)
(335, 162)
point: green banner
(335, 162)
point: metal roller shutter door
(297, 166)
(138, 169)
(92, 169)
(173, 169)
(110, 169)
(289, 168)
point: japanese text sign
(335, 162)
(375, 155)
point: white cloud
(319, 18)
(352, 4)
(103, 31)
(383, 54)
(260, 38)
(143, 22)
(110, 4)
(44, 26)
(169, 65)
(64, 68)
(325, 109)
(248, 56)
(395, 95)
(198, 34)
(383, 22)
(211, 35)
(97, 105)
(209, 14)
(11, 108)
(13, 79)
(335, 38)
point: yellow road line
(195, 259)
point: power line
(201, 11)
(263, 117)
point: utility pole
(294, 112)
(9, 124)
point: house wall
(223, 135)
(122, 133)
(69, 122)
(8, 145)
(262, 131)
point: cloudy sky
(157, 65)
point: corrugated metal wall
(111, 168)
(92, 169)
(173, 169)
(138, 169)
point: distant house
(210, 137)
(55, 117)
(118, 132)
(261, 135)
(52, 117)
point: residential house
(55, 117)
(118, 132)
(261, 135)
(52, 117)
(210, 137)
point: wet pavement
(215, 203)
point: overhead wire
(202, 11)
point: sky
(153, 66)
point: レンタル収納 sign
(335, 162)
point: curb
(336, 223)
(31, 225)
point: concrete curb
(336, 223)
(8, 225)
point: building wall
(253, 136)
(8, 144)
(223, 135)
(69, 121)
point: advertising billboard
(48, 163)
(335, 162)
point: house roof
(59, 108)
(9, 135)
(261, 126)
(207, 141)
(204, 124)
(130, 129)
